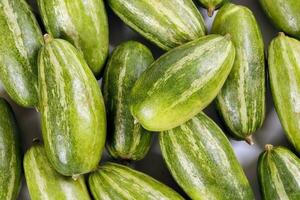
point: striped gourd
(284, 71)
(279, 174)
(126, 139)
(72, 109)
(83, 23)
(284, 14)
(20, 40)
(182, 82)
(202, 161)
(167, 23)
(113, 181)
(10, 155)
(241, 101)
(45, 183)
(212, 5)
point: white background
(271, 132)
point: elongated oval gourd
(201, 160)
(83, 23)
(212, 5)
(284, 14)
(284, 72)
(241, 101)
(166, 23)
(113, 181)
(72, 109)
(45, 183)
(182, 82)
(126, 139)
(10, 155)
(279, 172)
(20, 41)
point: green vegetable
(182, 82)
(45, 183)
(20, 40)
(83, 23)
(241, 101)
(202, 161)
(10, 155)
(114, 181)
(284, 14)
(126, 139)
(72, 109)
(212, 5)
(167, 23)
(278, 172)
(284, 71)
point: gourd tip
(281, 34)
(249, 140)
(227, 36)
(36, 140)
(268, 147)
(210, 11)
(47, 38)
(75, 177)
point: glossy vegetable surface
(20, 41)
(279, 172)
(166, 23)
(182, 82)
(201, 160)
(241, 101)
(45, 183)
(72, 109)
(284, 14)
(10, 154)
(284, 71)
(126, 139)
(113, 181)
(83, 23)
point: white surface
(271, 132)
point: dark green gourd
(20, 41)
(10, 154)
(182, 82)
(126, 138)
(241, 101)
(72, 109)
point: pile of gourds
(57, 74)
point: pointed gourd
(20, 41)
(166, 23)
(279, 172)
(82, 23)
(72, 109)
(44, 182)
(10, 154)
(113, 181)
(241, 102)
(284, 14)
(182, 82)
(284, 73)
(202, 161)
(126, 138)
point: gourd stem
(268, 147)
(227, 36)
(47, 38)
(36, 140)
(210, 11)
(249, 140)
(281, 34)
(75, 177)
